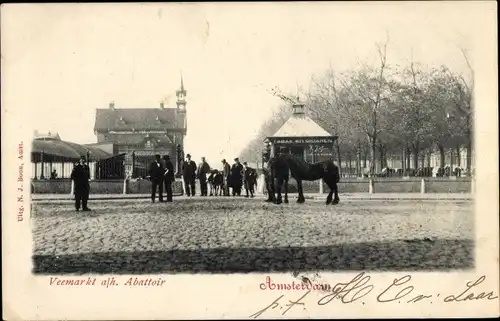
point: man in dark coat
(81, 176)
(250, 179)
(156, 175)
(169, 177)
(226, 171)
(189, 176)
(203, 170)
(237, 177)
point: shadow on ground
(410, 255)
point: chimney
(112, 105)
(162, 105)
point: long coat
(236, 176)
(81, 176)
(189, 169)
(169, 171)
(156, 171)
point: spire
(298, 107)
(181, 93)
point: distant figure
(236, 177)
(226, 171)
(189, 175)
(202, 172)
(53, 175)
(81, 176)
(169, 177)
(156, 174)
(250, 179)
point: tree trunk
(441, 156)
(422, 159)
(350, 164)
(469, 148)
(364, 159)
(415, 156)
(451, 159)
(358, 161)
(459, 158)
(373, 151)
(381, 155)
(429, 153)
(403, 160)
(339, 159)
(408, 159)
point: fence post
(72, 188)
(370, 186)
(422, 186)
(321, 186)
(125, 186)
(183, 186)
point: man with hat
(237, 177)
(156, 175)
(226, 169)
(81, 176)
(169, 177)
(189, 175)
(202, 172)
(250, 179)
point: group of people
(161, 174)
(233, 177)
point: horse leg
(336, 199)
(286, 191)
(301, 198)
(280, 184)
(330, 185)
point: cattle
(216, 182)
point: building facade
(302, 137)
(141, 133)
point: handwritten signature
(401, 290)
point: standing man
(226, 171)
(189, 175)
(250, 177)
(81, 176)
(237, 177)
(169, 177)
(156, 174)
(203, 170)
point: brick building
(140, 133)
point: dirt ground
(227, 235)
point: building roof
(49, 135)
(134, 119)
(137, 139)
(67, 150)
(301, 126)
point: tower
(181, 107)
(181, 122)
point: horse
(216, 182)
(280, 167)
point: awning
(67, 150)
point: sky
(63, 61)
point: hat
(157, 156)
(245, 163)
(83, 157)
(223, 160)
(166, 156)
(236, 159)
(188, 155)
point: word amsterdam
(20, 182)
